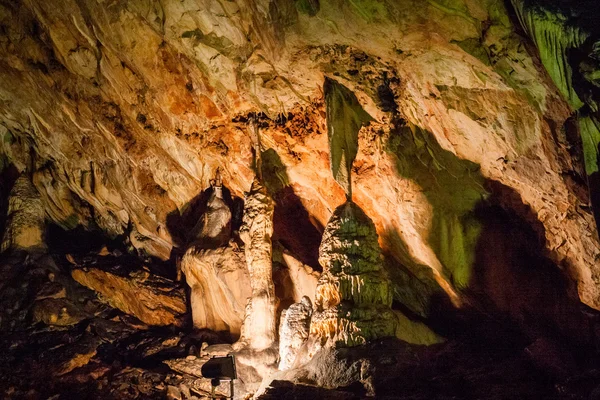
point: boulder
(150, 298)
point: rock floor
(103, 353)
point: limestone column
(354, 296)
(259, 329)
(25, 224)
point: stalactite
(554, 38)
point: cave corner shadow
(500, 265)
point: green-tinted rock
(354, 295)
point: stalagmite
(259, 330)
(353, 298)
(213, 269)
(25, 224)
(295, 327)
(220, 287)
(215, 230)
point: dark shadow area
(81, 240)
(493, 249)
(84, 244)
(513, 275)
(183, 226)
(292, 224)
(8, 176)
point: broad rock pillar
(354, 296)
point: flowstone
(212, 267)
(294, 330)
(354, 296)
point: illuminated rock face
(354, 297)
(25, 223)
(216, 272)
(215, 230)
(220, 287)
(151, 299)
(259, 331)
(128, 110)
(294, 330)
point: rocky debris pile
(41, 293)
(104, 354)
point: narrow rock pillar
(25, 224)
(259, 331)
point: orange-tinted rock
(150, 298)
(220, 287)
(129, 109)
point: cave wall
(122, 110)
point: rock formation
(133, 140)
(150, 298)
(293, 331)
(220, 287)
(215, 224)
(214, 270)
(300, 280)
(466, 136)
(260, 330)
(353, 298)
(25, 225)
